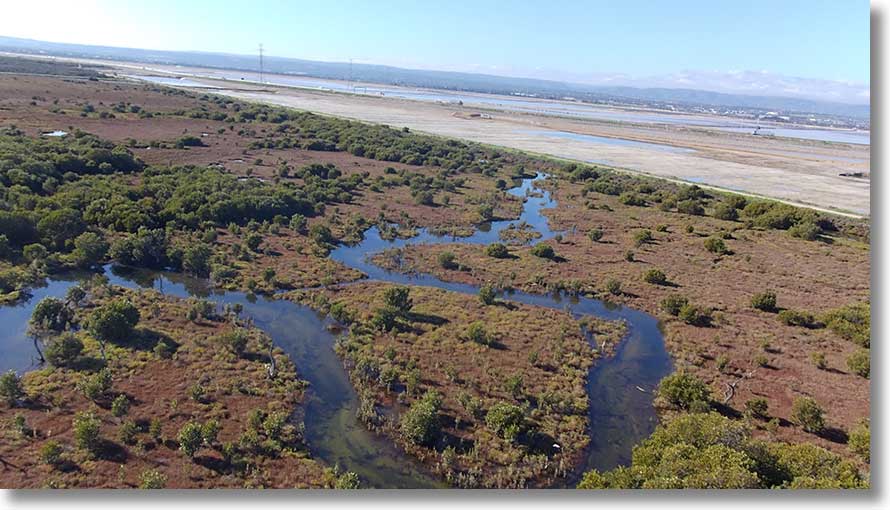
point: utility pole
(261, 63)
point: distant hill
(448, 80)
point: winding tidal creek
(620, 387)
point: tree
(58, 227)
(506, 420)
(190, 438)
(196, 259)
(11, 388)
(420, 423)
(808, 414)
(113, 321)
(487, 295)
(385, 318)
(399, 299)
(35, 252)
(497, 250)
(543, 250)
(683, 389)
(64, 350)
(51, 314)
(89, 249)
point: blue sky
(569, 40)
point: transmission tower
(261, 63)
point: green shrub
(51, 453)
(384, 318)
(798, 318)
(446, 260)
(757, 408)
(420, 423)
(808, 414)
(120, 405)
(543, 250)
(476, 333)
(497, 250)
(506, 420)
(716, 245)
(234, 341)
(643, 237)
(613, 287)
(487, 295)
(859, 441)
(765, 301)
(347, 480)
(725, 211)
(595, 234)
(673, 304)
(692, 207)
(655, 277)
(64, 350)
(96, 386)
(113, 321)
(628, 198)
(819, 360)
(190, 438)
(51, 314)
(695, 315)
(852, 322)
(682, 389)
(87, 432)
(11, 388)
(152, 479)
(399, 299)
(860, 363)
(127, 432)
(807, 230)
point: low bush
(655, 277)
(497, 250)
(808, 414)
(682, 389)
(673, 304)
(765, 301)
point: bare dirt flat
(799, 171)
